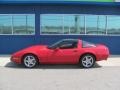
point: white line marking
(4, 60)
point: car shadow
(58, 66)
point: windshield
(55, 44)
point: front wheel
(30, 61)
(87, 61)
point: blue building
(28, 22)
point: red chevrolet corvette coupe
(66, 51)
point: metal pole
(68, 26)
(63, 23)
(106, 25)
(97, 24)
(12, 24)
(26, 24)
(85, 24)
(77, 23)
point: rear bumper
(103, 55)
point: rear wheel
(87, 61)
(30, 61)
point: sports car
(66, 51)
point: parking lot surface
(104, 76)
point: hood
(31, 48)
(36, 47)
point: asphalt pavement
(104, 76)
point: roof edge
(59, 3)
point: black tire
(84, 63)
(30, 61)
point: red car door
(65, 54)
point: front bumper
(16, 59)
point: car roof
(72, 40)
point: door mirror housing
(56, 49)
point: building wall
(11, 43)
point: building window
(91, 24)
(113, 25)
(62, 24)
(5, 24)
(101, 25)
(95, 24)
(73, 24)
(17, 24)
(68, 24)
(51, 24)
(80, 24)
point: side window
(68, 45)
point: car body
(66, 51)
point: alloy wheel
(30, 61)
(88, 61)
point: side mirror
(56, 49)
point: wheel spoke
(90, 61)
(85, 62)
(29, 58)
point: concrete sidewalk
(112, 61)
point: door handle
(74, 50)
